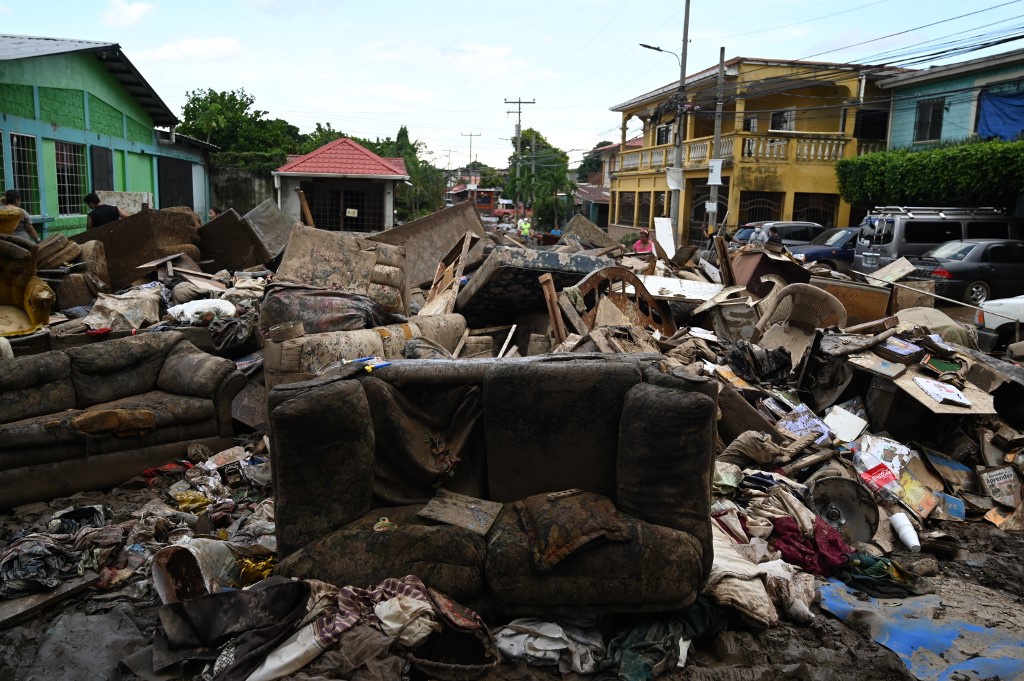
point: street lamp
(677, 161)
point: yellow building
(784, 124)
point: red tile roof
(345, 157)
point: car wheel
(826, 263)
(977, 292)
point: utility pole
(471, 135)
(674, 211)
(719, 96)
(533, 166)
(519, 119)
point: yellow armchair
(25, 300)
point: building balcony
(747, 147)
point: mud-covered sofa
(25, 299)
(94, 416)
(352, 447)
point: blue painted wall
(961, 94)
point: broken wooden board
(20, 609)
(476, 515)
(869, 361)
(981, 402)
(673, 289)
(894, 271)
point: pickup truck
(999, 322)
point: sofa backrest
(17, 266)
(107, 371)
(551, 426)
(35, 385)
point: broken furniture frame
(448, 277)
(639, 306)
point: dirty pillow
(559, 526)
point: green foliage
(228, 120)
(544, 173)
(256, 161)
(591, 163)
(250, 140)
(966, 174)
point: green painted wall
(48, 164)
(119, 171)
(78, 71)
(139, 132)
(62, 106)
(105, 119)
(17, 100)
(140, 170)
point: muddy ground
(981, 581)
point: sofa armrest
(38, 299)
(187, 370)
(323, 445)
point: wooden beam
(508, 339)
(547, 286)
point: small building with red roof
(347, 187)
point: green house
(77, 116)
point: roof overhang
(950, 70)
(109, 54)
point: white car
(1000, 322)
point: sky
(445, 69)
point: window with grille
(644, 218)
(929, 119)
(756, 206)
(26, 171)
(783, 120)
(627, 208)
(663, 134)
(820, 208)
(71, 178)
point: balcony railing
(789, 147)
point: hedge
(967, 174)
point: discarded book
(943, 393)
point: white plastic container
(908, 535)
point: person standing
(759, 237)
(644, 243)
(524, 228)
(25, 230)
(100, 213)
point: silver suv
(793, 233)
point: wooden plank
(512, 352)
(601, 341)
(305, 207)
(488, 330)
(508, 339)
(571, 315)
(202, 282)
(20, 609)
(462, 343)
(724, 266)
(808, 461)
(547, 285)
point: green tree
(591, 162)
(228, 120)
(425, 191)
(543, 175)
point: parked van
(889, 233)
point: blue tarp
(1000, 115)
(932, 641)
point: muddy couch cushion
(551, 426)
(447, 558)
(35, 385)
(656, 568)
(104, 372)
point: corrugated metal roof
(109, 54)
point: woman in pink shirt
(644, 243)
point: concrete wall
(240, 189)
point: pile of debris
(864, 460)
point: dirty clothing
(24, 229)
